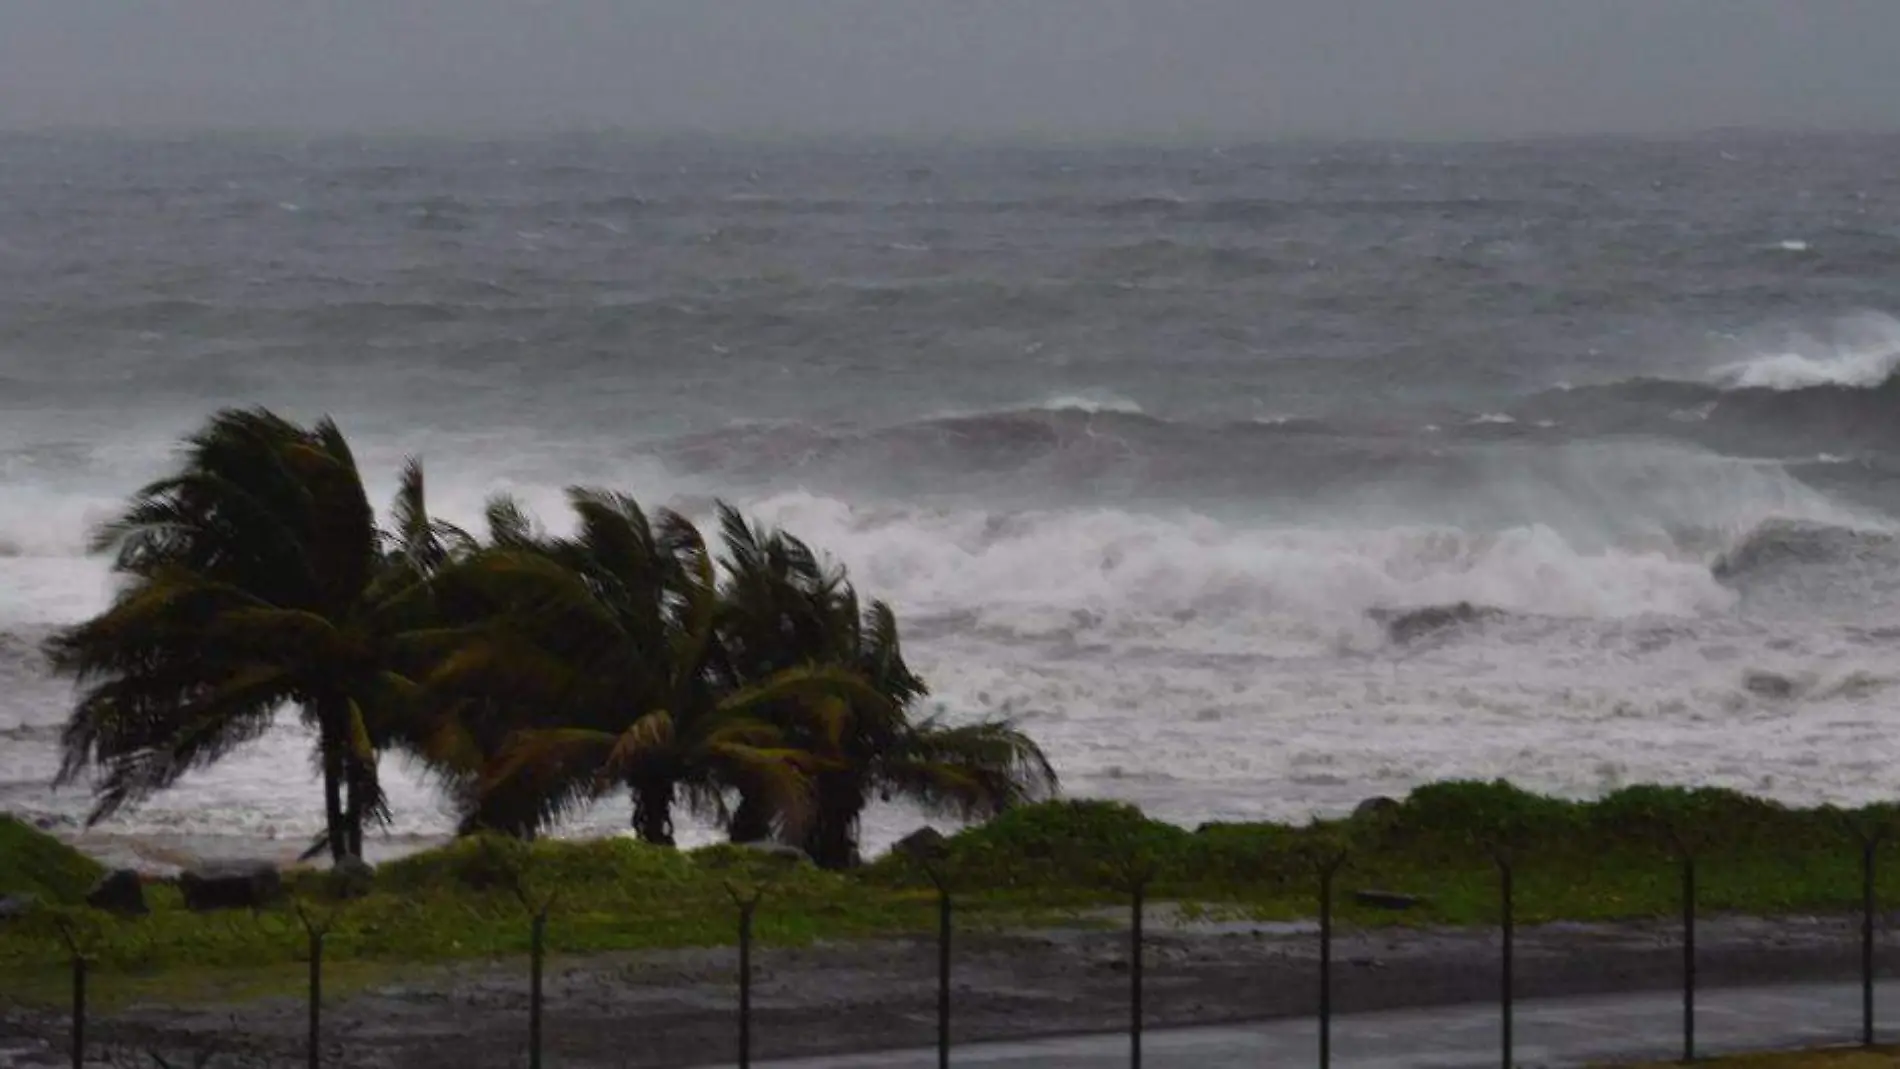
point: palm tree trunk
(352, 817)
(333, 819)
(339, 793)
(752, 821)
(359, 794)
(653, 811)
(832, 838)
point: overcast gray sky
(1340, 67)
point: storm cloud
(1426, 68)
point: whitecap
(1091, 401)
(1865, 354)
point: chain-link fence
(540, 911)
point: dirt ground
(660, 1010)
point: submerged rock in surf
(1411, 624)
(1769, 685)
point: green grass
(34, 863)
(1614, 858)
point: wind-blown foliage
(537, 674)
(782, 606)
(255, 577)
(596, 679)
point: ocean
(1253, 480)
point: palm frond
(971, 770)
(423, 543)
(509, 525)
(540, 777)
(650, 741)
(144, 748)
(780, 777)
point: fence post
(1507, 924)
(943, 967)
(748, 905)
(71, 938)
(538, 909)
(1688, 955)
(536, 954)
(1139, 887)
(1329, 868)
(79, 1011)
(316, 931)
(1869, 848)
(745, 985)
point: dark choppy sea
(1160, 450)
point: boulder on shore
(1373, 808)
(1388, 900)
(924, 844)
(120, 891)
(243, 885)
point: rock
(352, 877)
(13, 907)
(1387, 899)
(243, 885)
(1769, 685)
(924, 844)
(1375, 807)
(120, 891)
(1403, 626)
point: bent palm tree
(591, 679)
(257, 578)
(782, 606)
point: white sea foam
(1088, 401)
(1107, 572)
(1864, 353)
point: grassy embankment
(1043, 864)
(36, 864)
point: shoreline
(867, 996)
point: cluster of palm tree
(535, 673)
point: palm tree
(591, 678)
(781, 606)
(256, 578)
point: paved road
(1550, 1033)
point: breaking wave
(1074, 574)
(1865, 356)
(1780, 543)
